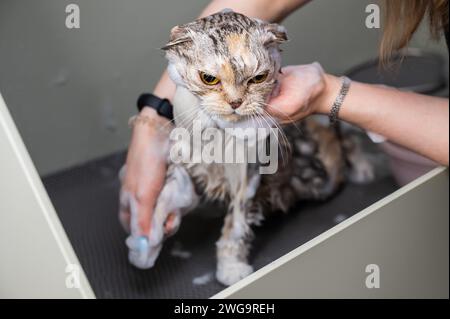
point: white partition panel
(36, 258)
(403, 238)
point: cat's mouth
(243, 126)
(234, 117)
(235, 120)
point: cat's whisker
(276, 136)
(181, 114)
(285, 114)
(274, 122)
(281, 146)
(255, 116)
(270, 117)
(187, 115)
(188, 121)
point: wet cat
(225, 67)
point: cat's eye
(259, 78)
(208, 79)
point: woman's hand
(394, 114)
(303, 90)
(145, 171)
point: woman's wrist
(324, 102)
(148, 121)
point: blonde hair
(403, 17)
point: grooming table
(86, 200)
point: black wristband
(162, 106)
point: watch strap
(162, 106)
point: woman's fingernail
(142, 244)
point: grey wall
(72, 91)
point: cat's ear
(275, 34)
(178, 35)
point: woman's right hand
(144, 174)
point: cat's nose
(236, 104)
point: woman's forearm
(269, 10)
(415, 121)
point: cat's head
(229, 61)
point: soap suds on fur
(339, 218)
(203, 279)
(178, 251)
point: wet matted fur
(314, 159)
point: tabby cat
(225, 67)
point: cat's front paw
(231, 272)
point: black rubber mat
(86, 199)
